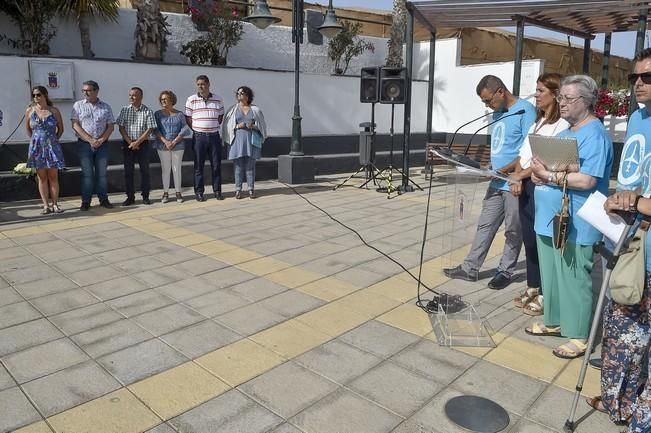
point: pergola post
(639, 46)
(430, 85)
(409, 63)
(519, 45)
(586, 56)
(606, 62)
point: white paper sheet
(593, 212)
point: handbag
(562, 220)
(256, 138)
(627, 277)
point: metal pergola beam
(556, 28)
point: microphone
(448, 151)
(465, 152)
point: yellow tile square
(63, 225)
(117, 412)
(396, 288)
(26, 231)
(139, 222)
(37, 427)
(157, 227)
(333, 319)
(409, 318)
(212, 247)
(367, 303)
(293, 277)
(263, 266)
(290, 339)
(171, 232)
(239, 362)
(179, 389)
(568, 378)
(235, 256)
(188, 240)
(528, 358)
(328, 288)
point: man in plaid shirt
(136, 122)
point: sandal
(56, 208)
(238, 195)
(535, 307)
(596, 404)
(46, 210)
(179, 197)
(165, 198)
(570, 350)
(543, 331)
(525, 297)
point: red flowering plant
(223, 30)
(612, 102)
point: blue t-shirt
(595, 159)
(507, 136)
(635, 163)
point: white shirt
(540, 128)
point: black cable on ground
(11, 135)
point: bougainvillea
(612, 102)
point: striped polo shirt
(205, 112)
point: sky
(623, 44)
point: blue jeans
(93, 171)
(243, 165)
(210, 146)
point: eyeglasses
(568, 99)
(645, 76)
(240, 93)
(489, 100)
(37, 95)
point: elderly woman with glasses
(45, 126)
(244, 129)
(566, 272)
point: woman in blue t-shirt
(566, 274)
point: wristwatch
(637, 199)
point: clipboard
(557, 152)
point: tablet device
(556, 152)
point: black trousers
(130, 157)
(209, 146)
(527, 214)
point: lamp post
(262, 18)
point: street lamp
(329, 29)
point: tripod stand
(388, 177)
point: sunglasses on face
(37, 95)
(645, 76)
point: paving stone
(119, 255)
(139, 264)
(111, 338)
(83, 319)
(199, 339)
(47, 286)
(138, 303)
(19, 312)
(250, 319)
(64, 301)
(188, 288)
(70, 387)
(44, 359)
(257, 289)
(20, 337)
(442, 364)
(291, 303)
(199, 266)
(168, 319)
(141, 360)
(216, 303)
(362, 278)
(286, 428)
(112, 289)
(288, 389)
(9, 296)
(379, 339)
(102, 244)
(396, 388)
(6, 380)
(525, 426)
(175, 255)
(38, 238)
(227, 277)
(11, 267)
(54, 251)
(22, 275)
(96, 275)
(162, 428)
(338, 361)
(16, 410)
(345, 412)
(161, 276)
(77, 264)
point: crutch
(611, 261)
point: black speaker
(369, 86)
(392, 85)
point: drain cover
(477, 414)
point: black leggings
(527, 213)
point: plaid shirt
(136, 120)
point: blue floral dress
(44, 148)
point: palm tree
(151, 30)
(83, 10)
(397, 35)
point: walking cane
(599, 247)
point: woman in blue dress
(244, 129)
(45, 126)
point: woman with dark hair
(45, 126)
(549, 123)
(244, 129)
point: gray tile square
(379, 339)
(64, 301)
(19, 337)
(161, 276)
(16, 410)
(5, 379)
(525, 426)
(139, 264)
(77, 264)
(257, 289)
(442, 364)
(288, 389)
(8, 295)
(338, 361)
(199, 266)
(161, 428)
(216, 303)
(70, 387)
(141, 360)
(95, 275)
(112, 289)
(111, 338)
(227, 277)
(250, 319)
(168, 319)
(345, 412)
(291, 303)
(188, 288)
(19, 312)
(35, 289)
(361, 277)
(138, 303)
(43, 359)
(199, 339)
(231, 412)
(13, 267)
(396, 388)
(120, 255)
(176, 255)
(85, 318)
(286, 428)
(56, 251)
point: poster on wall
(57, 77)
